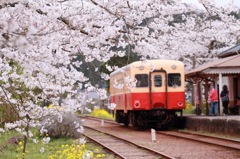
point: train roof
(147, 64)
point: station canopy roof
(228, 65)
(231, 51)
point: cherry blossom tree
(43, 36)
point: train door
(158, 90)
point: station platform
(229, 125)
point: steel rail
(132, 143)
(215, 137)
(100, 119)
(192, 139)
(104, 147)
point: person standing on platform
(214, 101)
(225, 99)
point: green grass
(54, 147)
(32, 149)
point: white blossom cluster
(40, 38)
(102, 93)
(80, 129)
(118, 85)
(105, 76)
(129, 83)
(81, 141)
(112, 106)
(42, 149)
(88, 110)
(45, 140)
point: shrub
(70, 126)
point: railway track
(100, 119)
(202, 138)
(120, 147)
(207, 139)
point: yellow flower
(20, 143)
(99, 155)
(50, 106)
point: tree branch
(8, 100)
(110, 12)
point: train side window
(174, 79)
(158, 81)
(142, 80)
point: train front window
(157, 80)
(142, 80)
(174, 79)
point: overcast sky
(218, 2)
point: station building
(224, 71)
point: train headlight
(137, 104)
(180, 104)
(174, 66)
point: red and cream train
(157, 96)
